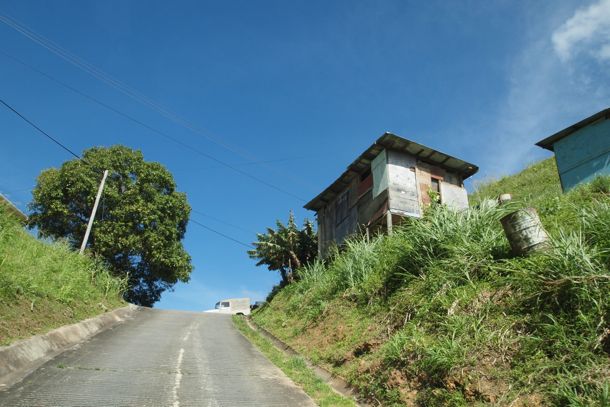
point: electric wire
(222, 234)
(39, 129)
(222, 221)
(125, 88)
(79, 158)
(152, 129)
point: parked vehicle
(234, 306)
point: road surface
(160, 358)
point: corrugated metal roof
(549, 141)
(391, 142)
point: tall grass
(48, 277)
(461, 313)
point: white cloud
(543, 96)
(587, 30)
(604, 53)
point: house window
(436, 185)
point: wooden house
(391, 180)
(582, 151)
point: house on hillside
(391, 180)
(582, 151)
(11, 208)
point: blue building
(582, 151)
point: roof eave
(389, 141)
(548, 142)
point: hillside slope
(47, 285)
(441, 314)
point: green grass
(295, 368)
(442, 314)
(45, 285)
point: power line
(40, 130)
(222, 234)
(150, 128)
(222, 221)
(124, 88)
(78, 157)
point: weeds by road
(295, 368)
(44, 285)
(442, 314)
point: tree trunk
(284, 276)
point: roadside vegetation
(295, 368)
(442, 314)
(45, 285)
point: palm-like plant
(286, 248)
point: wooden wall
(408, 182)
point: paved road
(160, 358)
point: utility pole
(97, 201)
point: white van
(233, 306)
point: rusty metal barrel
(524, 231)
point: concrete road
(160, 358)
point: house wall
(584, 154)
(452, 191)
(362, 208)
(400, 185)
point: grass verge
(44, 285)
(295, 368)
(441, 313)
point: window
(436, 185)
(225, 304)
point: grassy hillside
(441, 314)
(46, 285)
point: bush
(457, 312)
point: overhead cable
(78, 157)
(39, 129)
(159, 132)
(124, 88)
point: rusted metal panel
(365, 185)
(424, 182)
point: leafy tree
(286, 248)
(139, 224)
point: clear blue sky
(303, 86)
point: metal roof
(549, 141)
(390, 141)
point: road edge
(336, 383)
(22, 357)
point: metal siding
(453, 196)
(380, 173)
(403, 195)
(586, 172)
(584, 154)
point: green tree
(139, 225)
(286, 248)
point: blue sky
(291, 93)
